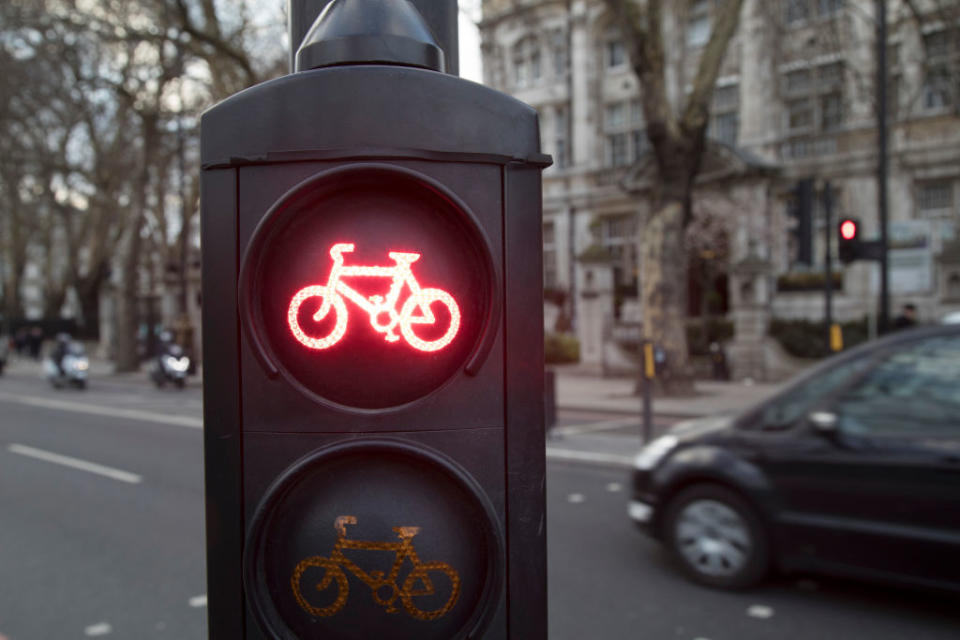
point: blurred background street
(102, 501)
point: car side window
(784, 411)
(914, 390)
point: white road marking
(760, 611)
(590, 427)
(112, 412)
(575, 498)
(553, 453)
(75, 463)
(99, 629)
(614, 487)
(198, 601)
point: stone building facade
(794, 100)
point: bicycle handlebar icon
(384, 586)
(384, 317)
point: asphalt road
(101, 535)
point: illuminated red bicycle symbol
(382, 310)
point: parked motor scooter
(72, 370)
(172, 366)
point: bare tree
(677, 134)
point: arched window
(526, 61)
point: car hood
(700, 427)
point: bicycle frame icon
(382, 309)
(383, 587)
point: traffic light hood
(370, 32)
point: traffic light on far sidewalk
(848, 240)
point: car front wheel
(717, 537)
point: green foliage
(561, 348)
(808, 339)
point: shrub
(808, 339)
(807, 281)
(561, 348)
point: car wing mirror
(824, 422)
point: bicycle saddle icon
(383, 586)
(382, 309)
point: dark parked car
(853, 469)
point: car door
(877, 487)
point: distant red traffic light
(848, 229)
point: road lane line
(112, 412)
(99, 629)
(613, 459)
(75, 463)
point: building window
(617, 150)
(935, 197)
(937, 91)
(829, 7)
(561, 136)
(550, 271)
(618, 235)
(831, 111)
(526, 62)
(639, 142)
(725, 114)
(940, 86)
(626, 139)
(698, 23)
(558, 54)
(799, 115)
(616, 54)
(796, 11)
(814, 98)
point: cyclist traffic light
(848, 240)
(373, 335)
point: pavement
(599, 416)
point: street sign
(373, 346)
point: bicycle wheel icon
(425, 300)
(331, 302)
(333, 576)
(418, 583)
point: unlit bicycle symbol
(383, 586)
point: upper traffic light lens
(368, 286)
(848, 229)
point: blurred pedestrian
(907, 317)
(718, 357)
(35, 340)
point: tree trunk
(664, 293)
(128, 294)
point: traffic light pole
(440, 16)
(828, 261)
(881, 6)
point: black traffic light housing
(373, 348)
(848, 240)
(801, 210)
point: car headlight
(653, 453)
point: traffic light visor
(368, 286)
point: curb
(590, 457)
(626, 412)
